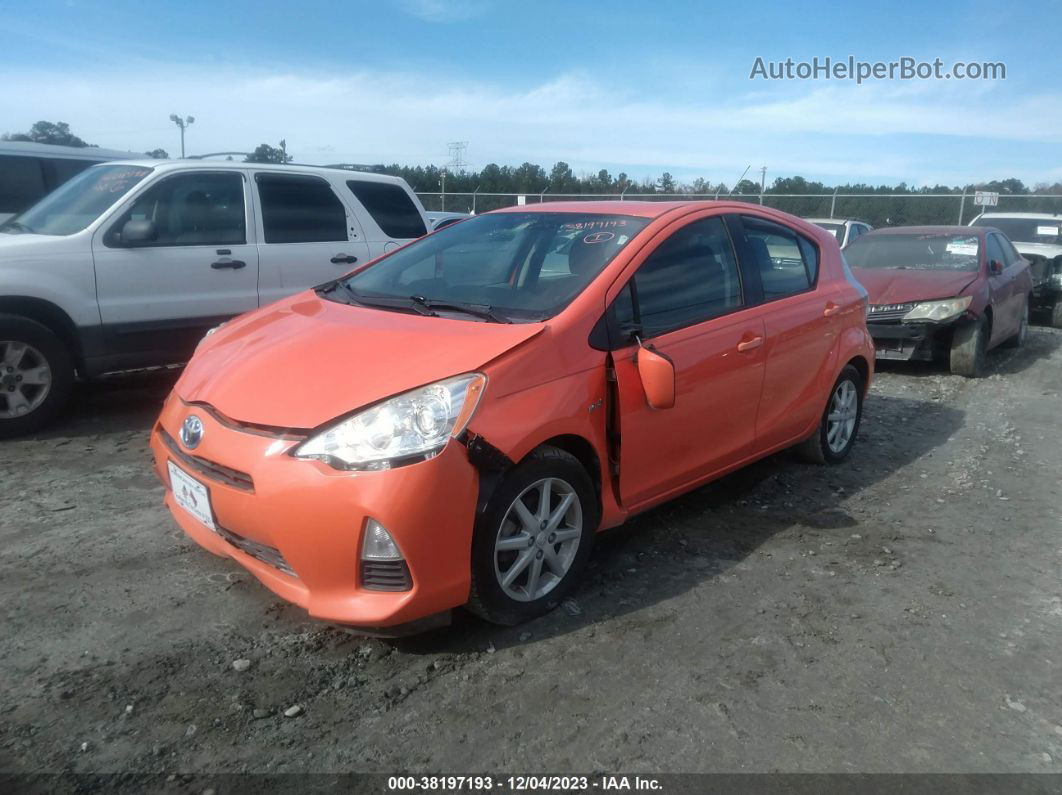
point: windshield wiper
(13, 225)
(383, 302)
(485, 311)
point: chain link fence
(878, 209)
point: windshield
(522, 266)
(933, 252)
(77, 203)
(836, 229)
(1027, 230)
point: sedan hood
(893, 286)
(303, 361)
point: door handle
(749, 344)
(235, 264)
(346, 259)
(831, 309)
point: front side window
(690, 277)
(75, 204)
(924, 252)
(524, 266)
(197, 209)
(298, 209)
(390, 207)
(994, 251)
(779, 256)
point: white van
(129, 264)
(29, 171)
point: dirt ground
(901, 612)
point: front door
(1001, 286)
(686, 302)
(158, 297)
(309, 235)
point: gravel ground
(901, 612)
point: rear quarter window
(390, 207)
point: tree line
(879, 205)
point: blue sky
(628, 86)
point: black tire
(1023, 330)
(488, 598)
(816, 449)
(1056, 312)
(968, 349)
(52, 351)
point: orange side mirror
(658, 378)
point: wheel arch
(49, 315)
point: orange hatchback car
(451, 424)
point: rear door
(308, 234)
(687, 302)
(157, 299)
(802, 322)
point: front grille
(214, 471)
(261, 552)
(385, 575)
(879, 313)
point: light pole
(182, 123)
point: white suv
(128, 264)
(844, 229)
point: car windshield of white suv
(503, 268)
(939, 252)
(75, 204)
(836, 229)
(1028, 230)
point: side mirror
(658, 378)
(995, 267)
(139, 231)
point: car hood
(893, 286)
(303, 361)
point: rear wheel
(532, 541)
(36, 375)
(968, 349)
(1023, 330)
(833, 439)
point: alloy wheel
(538, 539)
(25, 379)
(841, 419)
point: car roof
(1045, 214)
(928, 230)
(231, 165)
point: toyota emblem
(192, 432)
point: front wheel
(36, 375)
(968, 347)
(532, 541)
(833, 439)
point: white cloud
(841, 133)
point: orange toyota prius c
(452, 424)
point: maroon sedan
(949, 292)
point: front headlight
(407, 428)
(939, 310)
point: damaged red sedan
(942, 292)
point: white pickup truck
(129, 263)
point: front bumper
(911, 341)
(296, 525)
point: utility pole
(763, 182)
(456, 163)
(182, 123)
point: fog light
(382, 565)
(377, 543)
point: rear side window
(691, 277)
(787, 263)
(391, 208)
(298, 209)
(21, 183)
(1009, 252)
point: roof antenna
(743, 173)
